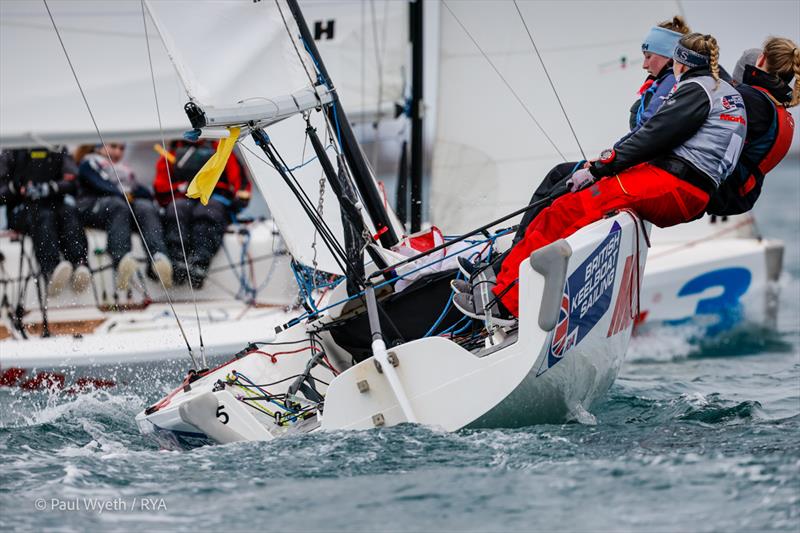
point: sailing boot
(481, 300)
(163, 269)
(81, 279)
(125, 270)
(59, 278)
(198, 275)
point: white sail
(489, 155)
(39, 100)
(366, 50)
(258, 60)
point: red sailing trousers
(654, 194)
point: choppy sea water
(699, 436)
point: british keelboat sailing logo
(586, 298)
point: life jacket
(190, 159)
(738, 194)
(714, 149)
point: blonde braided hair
(706, 45)
(782, 59)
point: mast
(352, 151)
(417, 111)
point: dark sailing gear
(40, 174)
(651, 95)
(104, 206)
(37, 189)
(697, 134)
(53, 230)
(202, 228)
(111, 213)
(769, 136)
(98, 177)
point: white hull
(574, 327)
(100, 329)
(716, 275)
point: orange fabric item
(654, 194)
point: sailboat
(373, 351)
(44, 339)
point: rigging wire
(171, 189)
(119, 181)
(552, 85)
(507, 84)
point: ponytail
(677, 24)
(783, 60)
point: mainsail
(39, 102)
(489, 154)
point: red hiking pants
(652, 193)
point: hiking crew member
(764, 77)
(102, 204)
(38, 187)
(202, 226)
(657, 48)
(665, 172)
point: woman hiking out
(657, 48)
(666, 171)
(764, 78)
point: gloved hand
(36, 192)
(580, 179)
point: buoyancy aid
(738, 194)
(715, 148)
(190, 159)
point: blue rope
(301, 165)
(305, 315)
(444, 311)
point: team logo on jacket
(732, 101)
(586, 298)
